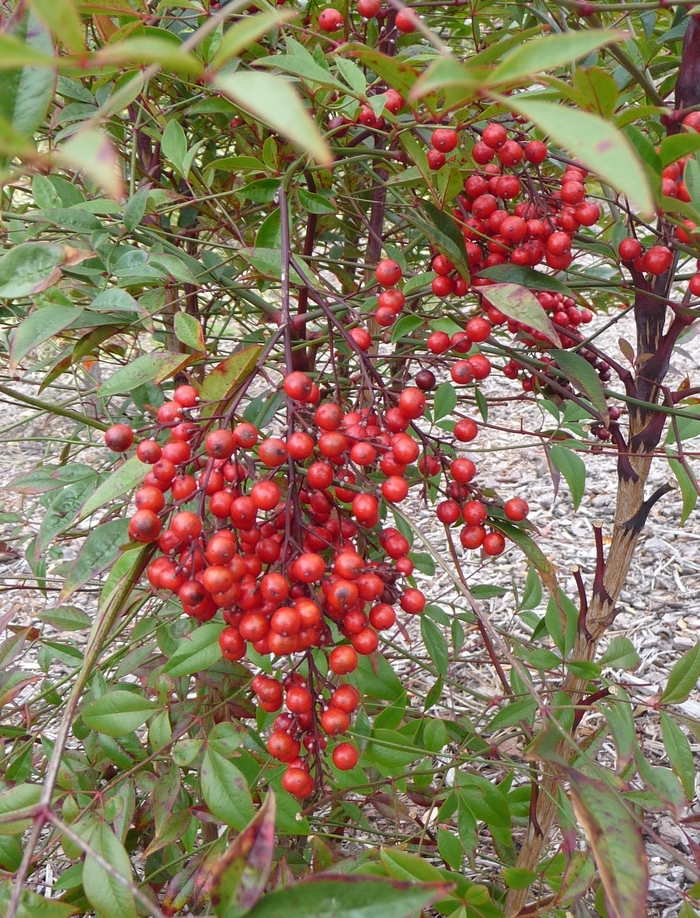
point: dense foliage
(261, 269)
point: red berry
(119, 438)
(406, 21)
(444, 140)
(330, 20)
(388, 273)
(345, 756)
(516, 509)
(493, 544)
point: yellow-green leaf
(273, 100)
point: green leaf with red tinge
(32, 905)
(38, 327)
(350, 896)
(521, 305)
(27, 269)
(617, 843)
(240, 877)
(189, 331)
(225, 377)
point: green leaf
(223, 379)
(118, 712)
(27, 91)
(561, 619)
(691, 176)
(406, 326)
(350, 896)
(38, 327)
(17, 798)
(189, 331)
(129, 474)
(435, 644)
(442, 230)
(620, 654)
(579, 372)
(135, 208)
(446, 73)
(226, 791)
(616, 840)
(518, 877)
(595, 142)
(679, 753)
(66, 618)
(62, 17)
(108, 895)
(683, 677)
(688, 486)
(114, 300)
(100, 549)
(240, 877)
(677, 145)
(29, 268)
(174, 145)
(195, 653)
(450, 848)
(525, 277)
(620, 719)
(144, 369)
(487, 802)
(521, 305)
(445, 400)
(390, 751)
(150, 49)
(273, 100)
(32, 905)
(597, 89)
(573, 468)
(395, 71)
(549, 53)
(240, 36)
(314, 203)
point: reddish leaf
(240, 877)
(616, 840)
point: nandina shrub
(296, 258)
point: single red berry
(345, 756)
(406, 21)
(444, 140)
(119, 438)
(516, 509)
(493, 544)
(330, 20)
(388, 272)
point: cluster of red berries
(288, 556)
(497, 230)
(472, 516)
(302, 727)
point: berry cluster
(294, 559)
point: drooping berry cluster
(282, 534)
